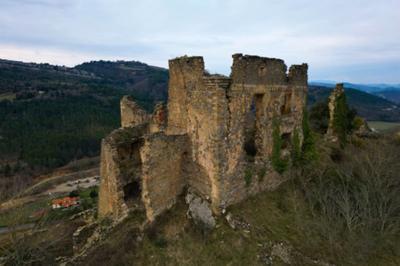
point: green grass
(7, 96)
(23, 214)
(175, 240)
(383, 126)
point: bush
(248, 175)
(319, 117)
(354, 205)
(94, 194)
(358, 122)
(74, 193)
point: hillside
(44, 81)
(51, 115)
(326, 208)
(367, 105)
(390, 94)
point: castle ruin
(214, 137)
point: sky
(352, 40)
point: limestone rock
(200, 211)
(283, 252)
(82, 235)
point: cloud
(47, 3)
(327, 34)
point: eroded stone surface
(200, 211)
(131, 113)
(215, 134)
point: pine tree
(342, 119)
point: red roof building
(65, 202)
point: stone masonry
(336, 93)
(214, 137)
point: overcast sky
(341, 40)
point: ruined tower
(214, 137)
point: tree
(319, 117)
(343, 119)
(93, 194)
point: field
(7, 96)
(383, 126)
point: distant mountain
(30, 80)
(371, 88)
(389, 94)
(367, 105)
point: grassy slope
(384, 126)
(176, 241)
(282, 216)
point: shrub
(353, 205)
(248, 175)
(74, 193)
(319, 117)
(358, 122)
(94, 194)
(296, 148)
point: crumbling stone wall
(185, 73)
(336, 93)
(215, 136)
(131, 113)
(162, 179)
(260, 86)
(120, 166)
(158, 120)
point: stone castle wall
(215, 132)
